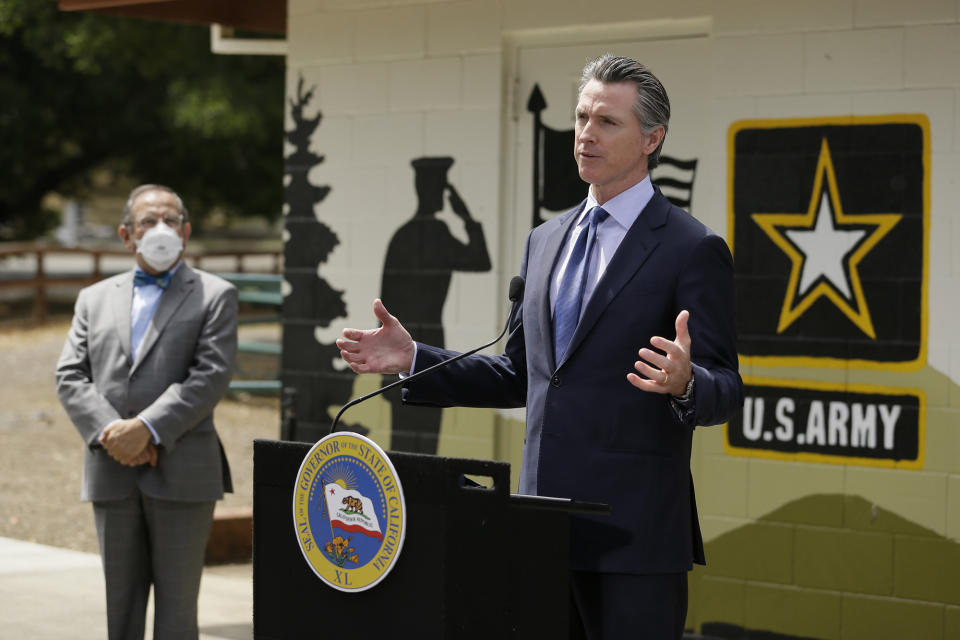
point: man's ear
(186, 232)
(652, 140)
(124, 234)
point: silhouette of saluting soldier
(420, 261)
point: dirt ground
(41, 453)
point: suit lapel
(543, 278)
(180, 287)
(122, 300)
(639, 243)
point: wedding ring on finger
(666, 377)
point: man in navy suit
(606, 282)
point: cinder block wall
(797, 547)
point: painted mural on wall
(310, 301)
(828, 223)
(420, 261)
(557, 186)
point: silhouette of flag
(675, 179)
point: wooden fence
(41, 281)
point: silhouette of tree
(308, 365)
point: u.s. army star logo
(825, 247)
(828, 221)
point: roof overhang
(268, 16)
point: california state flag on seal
(351, 511)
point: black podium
(476, 562)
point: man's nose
(586, 132)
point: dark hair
(127, 219)
(652, 106)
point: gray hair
(652, 106)
(127, 219)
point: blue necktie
(566, 313)
(142, 279)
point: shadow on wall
(827, 566)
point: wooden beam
(268, 16)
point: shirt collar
(625, 207)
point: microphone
(515, 295)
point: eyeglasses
(172, 220)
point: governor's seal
(349, 512)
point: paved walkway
(47, 593)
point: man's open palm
(388, 349)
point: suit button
(555, 381)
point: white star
(824, 248)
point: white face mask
(160, 246)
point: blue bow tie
(142, 279)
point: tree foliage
(86, 91)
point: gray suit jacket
(182, 370)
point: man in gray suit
(147, 358)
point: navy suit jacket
(590, 434)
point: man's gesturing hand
(388, 349)
(671, 370)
